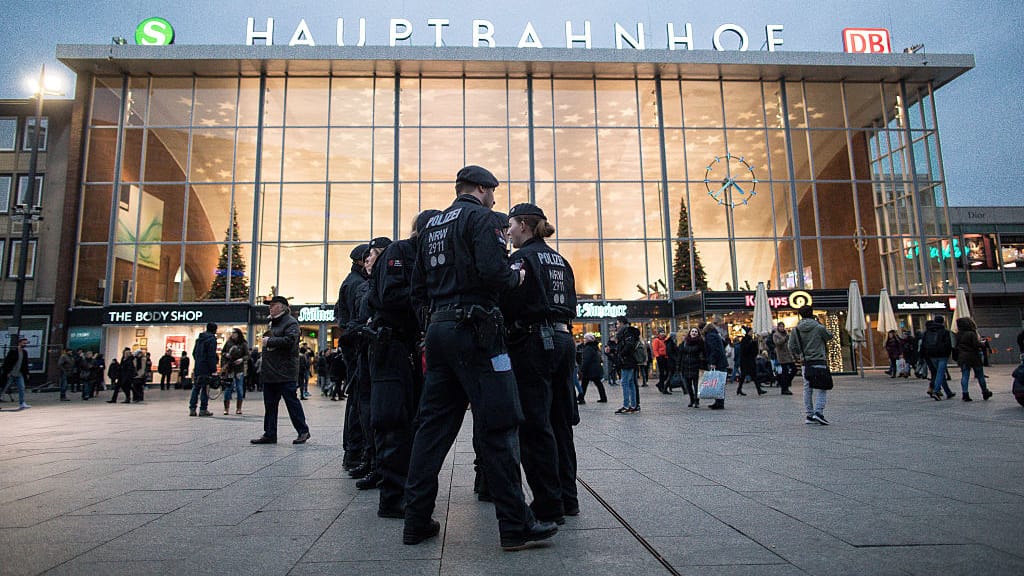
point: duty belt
(449, 315)
(556, 326)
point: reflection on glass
(91, 283)
(716, 262)
(350, 205)
(488, 147)
(620, 154)
(106, 101)
(248, 101)
(743, 107)
(210, 206)
(138, 101)
(170, 101)
(95, 225)
(307, 101)
(265, 272)
(212, 155)
(352, 154)
(824, 105)
(99, 164)
(305, 154)
(166, 155)
(245, 155)
(702, 103)
(622, 210)
(441, 99)
(302, 273)
(576, 154)
(755, 262)
(383, 211)
(442, 153)
(586, 267)
(574, 102)
(625, 276)
(616, 103)
(302, 212)
(215, 102)
(486, 102)
(577, 210)
(352, 101)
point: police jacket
(346, 307)
(547, 294)
(390, 287)
(461, 258)
(205, 354)
(280, 359)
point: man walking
(661, 359)
(784, 357)
(205, 354)
(15, 371)
(808, 342)
(164, 368)
(279, 370)
(936, 346)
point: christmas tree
(239, 282)
(681, 265)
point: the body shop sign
(182, 314)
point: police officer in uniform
(371, 477)
(345, 311)
(395, 375)
(538, 315)
(461, 271)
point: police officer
(371, 477)
(345, 311)
(461, 271)
(538, 315)
(396, 378)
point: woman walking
(894, 348)
(234, 357)
(968, 356)
(691, 360)
(591, 370)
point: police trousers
(535, 372)
(394, 398)
(458, 371)
(352, 432)
(362, 392)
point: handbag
(818, 377)
(712, 386)
(902, 367)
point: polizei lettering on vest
(550, 259)
(442, 219)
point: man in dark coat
(279, 369)
(591, 369)
(164, 368)
(205, 354)
(15, 371)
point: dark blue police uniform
(345, 310)
(538, 314)
(461, 270)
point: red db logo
(866, 41)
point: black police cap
(358, 252)
(379, 242)
(501, 218)
(477, 175)
(526, 209)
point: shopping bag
(712, 385)
(818, 377)
(902, 367)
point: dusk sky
(980, 121)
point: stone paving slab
(899, 484)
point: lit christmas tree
(239, 282)
(681, 264)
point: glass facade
(206, 189)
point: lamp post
(28, 214)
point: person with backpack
(968, 357)
(936, 346)
(632, 355)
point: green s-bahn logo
(154, 32)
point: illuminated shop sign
(600, 310)
(867, 41)
(482, 33)
(183, 314)
(315, 315)
(945, 251)
(924, 305)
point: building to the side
(214, 176)
(42, 320)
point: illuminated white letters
(404, 34)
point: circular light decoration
(725, 179)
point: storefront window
(981, 250)
(1012, 248)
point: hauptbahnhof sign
(482, 33)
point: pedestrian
(142, 370)
(539, 315)
(164, 368)
(114, 373)
(748, 362)
(461, 271)
(611, 351)
(86, 373)
(730, 368)
(809, 344)
(936, 346)
(99, 368)
(632, 354)
(763, 370)
(714, 354)
(691, 361)
(591, 369)
(184, 363)
(659, 348)
(15, 371)
(204, 351)
(894, 349)
(234, 358)
(968, 356)
(66, 365)
(645, 367)
(303, 381)
(784, 357)
(279, 365)
(909, 343)
(126, 375)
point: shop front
(36, 324)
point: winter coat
(166, 364)
(234, 356)
(809, 340)
(590, 368)
(126, 369)
(205, 354)
(782, 353)
(968, 345)
(183, 364)
(691, 357)
(748, 355)
(628, 336)
(894, 348)
(714, 348)
(66, 364)
(763, 371)
(658, 347)
(279, 361)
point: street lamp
(27, 213)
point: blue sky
(979, 114)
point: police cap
(359, 252)
(501, 218)
(379, 242)
(527, 209)
(477, 175)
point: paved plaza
(898, 484)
